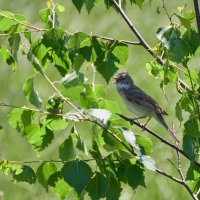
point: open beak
(114, 80)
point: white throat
(122, 86)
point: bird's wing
(140, 97)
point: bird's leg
(136, 118)
(144, 125)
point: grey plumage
(138, 102)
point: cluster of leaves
(121, 155)
(178, 44)
(112, 148)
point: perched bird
(138, 102)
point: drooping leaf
(31, 93)
(19, 118)
(27, 175)
(7, 56)
(192, 127)
(38, 136)
(44, 171)
(58, 185)
(135, 176)
(78, 4)
(97, 186)
(190, 146)
(67, 149)
(77, 174)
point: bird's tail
(161, 120)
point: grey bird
(138, 102)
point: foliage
(120, 155)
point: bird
(138, 102)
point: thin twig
(53, 17)
(159, 137)
(184, 182)
(111, 39)
(196, 9)
(169, 176)
(165, 9)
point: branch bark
(196, 9)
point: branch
(142, 41)
(196, 9)
(184, 183)
(159, 137)
(111, 39)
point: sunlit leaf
(31, 93)
(44, 171)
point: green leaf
(80, 143)
(27, 175)
(55, 104)
(137, 2)
(186, 103)
(193, 178)
(31, 93)
(77, 174)
(6, 23)
(78, 40)
(14, 41)
(97, 186)
(38, 136)
(72, 85)
(89, 4)
(58, 185)
(191, 37)
(54, 39)
(7, 57)
(153, 68)
(114, 189)
(171, 39)
(19, 118)
(55, 123)
(101, 115)
(179, 111)
(192, 127)
(190, 146)
(135, 176)
(67, 149)
(44, 171)
(145, 144)
(187, 18)
(90, 96)
(78, 4)
(109, 58)
(21, 173)
(44, 16)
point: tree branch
(196, 9)
(159, 137)
(142, 41)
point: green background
(13, 146)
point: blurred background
(13, 146)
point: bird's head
(123, 80)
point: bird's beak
(114, 80)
